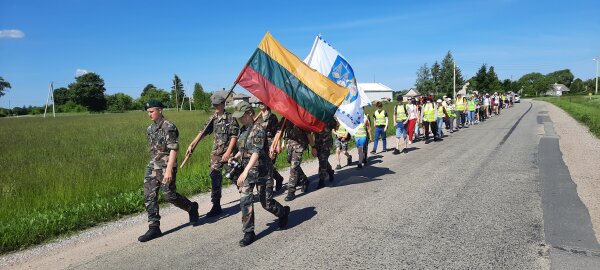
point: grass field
(582, 108)
(71, 172)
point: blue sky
(133, 43)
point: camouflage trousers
(294, 157)
(324, 166)
(264, 188)
(216, 178)
(152, 182)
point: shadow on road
(296, 218)
(232, 209)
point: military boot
(331, 173)
(248, 239)
(290, 196)
(305, 184)
(193, 213)
(278, 182)
(215, 210)
(283, 218)
(349, 160)
(153, 232)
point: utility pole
(454, 79)
(597, 59)
(50, 96)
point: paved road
(475, 200)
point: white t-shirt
(486, 101)
(411, 111)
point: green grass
(71, 172)
(582, 108)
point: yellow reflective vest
(400, 113)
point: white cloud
(80, 72)
(11, 34)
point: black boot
(283, 219)
(193, 213)
(215, 210)
(153, 232)
(248, 239)
(305, 184)
(349, 160)
(290, 196)
(331, 173)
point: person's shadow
(232, 209)
(296, 217)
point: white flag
(331, 63)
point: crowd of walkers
(421, 119)
(246, 144)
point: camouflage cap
(241, 108)
(153, 103)
(217, 98)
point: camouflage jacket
(270, 123)
(296, 137)
(253, 140)
(224, 127)
(162, 138)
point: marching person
(269, 121)
(442, 116)
(321, 149)
(461, 111)
(360, 138)
(471, 106)
(341, 144)
(401, 119)
(413, 118)
(451, 109)
(369, 138)
(161, 172)
(429, 122)
(297, 141)
(256, 162)
(226, 130)
(381, 124)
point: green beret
(217, 98)
(153, 103)
(241, 108)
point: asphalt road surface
(484, 197)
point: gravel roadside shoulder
(581, 153)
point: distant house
(412, 93)
(237, 98)
(557, 90)
(377, 91)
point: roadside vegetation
(584, 109)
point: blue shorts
(401, 130)
(360, 142)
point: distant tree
(154, 93)
(561, 76)
(479, 82)
(577, 86)
(534, 84)
(424, 83)
(119, 102)
(492, 81)
(3, 85)
(177, 91)
(147, 88)
(201, 98)
(447, 70)
(88, 90)
(62, 95)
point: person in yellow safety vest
(442, 115)
(360, 138)
(401, 118)
(381, 124)
(451, 110)
(341, 144)
(429, 122)
(461, 111)
(471, 105)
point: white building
(377, 91)
(557, 90)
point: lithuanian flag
(289, 86)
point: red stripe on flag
(278, 100)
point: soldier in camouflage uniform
(161, 170)
(253, 151)
(226, 130)
(321, 150)
(269, 121)
(297, 141)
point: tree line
(87, 94)
(438, 80)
